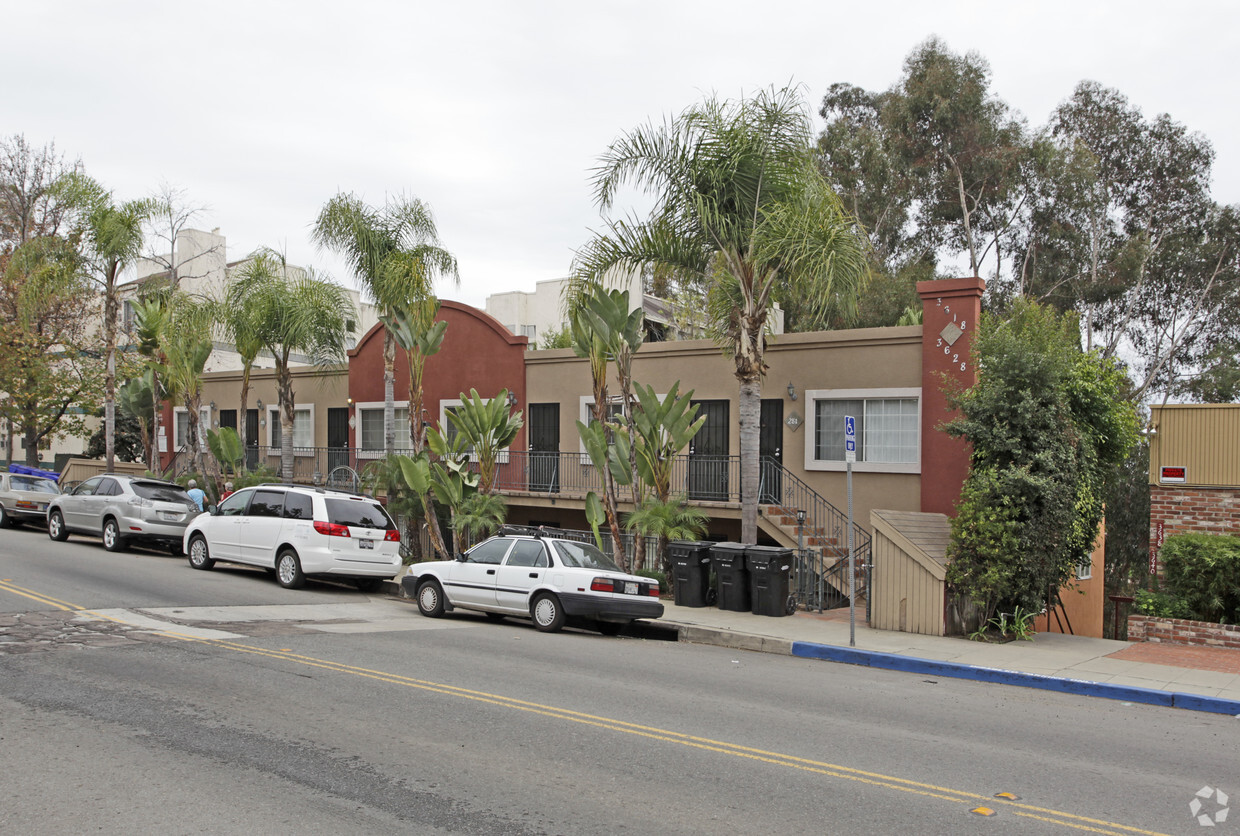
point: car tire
(369, 584)
(5, 520)
(113, 540)
(288, 570)
(610, 628)
(430, 599)
(547, 613)
(56, 527)
(199, 553)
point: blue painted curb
(957, 670)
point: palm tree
(395, 255)
(111, 235)
(185, 343)
(739, 202)
(293, 313)
(242, 329)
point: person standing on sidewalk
(196, 493)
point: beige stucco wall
(857, 359)
(316, 388)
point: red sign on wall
(1173, 475)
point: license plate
(365, 544)
(169, 515)
(630, 588)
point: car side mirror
(213, 510)
(460, 558)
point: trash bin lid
(729, 549)
(683, 548)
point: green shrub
(1161, 605)
(1204, 570)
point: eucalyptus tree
(395, 254)
(294, 312)
(111, 235)
(739, 200)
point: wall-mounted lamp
(792, 391)
(1152, 429)
(349, 401)
(260, 406)
(800, 516)
(212, 405)
(512, 399)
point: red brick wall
(1177, 509)
(1147, 628)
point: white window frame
(812, 396)
(371, 452)
(501, 457)
(204, 423)
(273, 430)
(1085, 571)
(585, 412)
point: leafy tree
(556, 338)
(739, 201)
(46, 372)
(1046, 422)
(111, 236)
(30, 204)
(293, 313)
(129, 443)
(395, 255)
(137, 399)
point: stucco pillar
(951, 310)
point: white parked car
(299, 531)
(536, 576)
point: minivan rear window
(160, 493)
(358, 512)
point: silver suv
(122, 510)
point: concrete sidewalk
(1072, 664)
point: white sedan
(540, 577)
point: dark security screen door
(337, 437)
(545, 447)
(228, 418)
(770, 441)
(251, 438)
(708, 454)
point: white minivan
(300, 532)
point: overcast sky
(494, 112)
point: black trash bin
(770, 573)
(731, 577)
(690, 572)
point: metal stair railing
(825, 530)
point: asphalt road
(380, 721)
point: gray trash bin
(731, 576)
(690, 571)
(770, 573)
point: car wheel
(288, 570)
(199, 554)
(430, 599)
(610, 628)
(5, 519)
(56, 527)
(112, 539)
(368, 584)
(547, 614)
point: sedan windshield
(27, 483)
(583, 556)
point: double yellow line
(981, 802)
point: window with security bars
(886, 429)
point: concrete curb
(1082, 687)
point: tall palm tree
(242, 329)
(739, 202)
(111, 235)
(185, 343)
(293, 313)
(395, 254)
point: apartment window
(1085, 570)
(370, 428)
(303, 427)
(529, 331)
(180, 436)
(888, 427)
